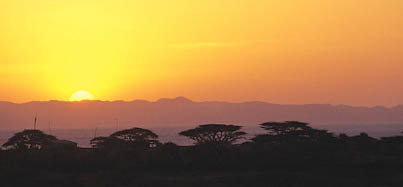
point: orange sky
(289, 51)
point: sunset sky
(288, 51)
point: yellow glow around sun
(227, 50)
(81, 95)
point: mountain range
(181, 111)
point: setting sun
(234, 92)
(204, 49)
(81, 95)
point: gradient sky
(288, 51)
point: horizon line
(207, 101)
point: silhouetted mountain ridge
(181, 111)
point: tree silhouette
(29, 139)
(106, 142)
(134, 137)
(362, 138)
(291, 131)
(218, 134)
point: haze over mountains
(183, 112)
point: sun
(81, 95)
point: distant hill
(183, 112)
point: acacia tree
(291, 131)
(218, 134)
(29, 139)
(285, 128)
(106, 142)
(134, 137)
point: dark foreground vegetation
(289, 154)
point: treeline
(290, 145)
(211, 141)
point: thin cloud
(203, 45)
(218, 44)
